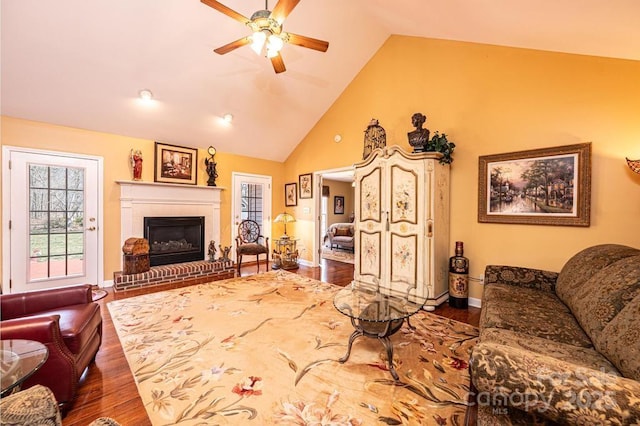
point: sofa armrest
(566, 393)
(44, 329)
(522, 277)
(22, 304)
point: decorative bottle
(459, 278)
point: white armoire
(402, 222)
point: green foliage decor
(439, 143)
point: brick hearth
(176, 275)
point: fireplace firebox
(174, 239)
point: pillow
(343, 232)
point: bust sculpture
(418, 138)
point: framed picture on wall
(338, 204)
(306, 185)
(176, 164)
(290, 194)
(548, 186)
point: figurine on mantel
(418, 138)
(136, 163)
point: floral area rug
(264, 349)
(339, 255)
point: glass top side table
(19, 359)
(377, 313)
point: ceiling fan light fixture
(258, 40)
(275, 43)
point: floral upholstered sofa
(561, 348)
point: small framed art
(306, 185)
(338, 204)
(290, 194)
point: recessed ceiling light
(228, 118)
(145, 94)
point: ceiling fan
(267, 36)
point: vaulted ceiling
(82, 63)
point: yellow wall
(492, 100)
(115, 151)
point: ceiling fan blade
(278, 64)
(233, 45)
(227, 11)
(282, 9)
(308, 42)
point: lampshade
(284, 218)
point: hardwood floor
(108, 389)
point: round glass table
(19, 359)
(377, 313)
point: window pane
(58, 200)
(58, 244)
(58, 223)
(75, 222)
(58, 177)
(75, 243)
(75, 264)
(38, 222)
(75, 179)
(57, 266)
(38, 176)
(75, 201)
(39, 246)
(38, 200)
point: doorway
(53, 235)
(251, 199)
(325, 212)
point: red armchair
(67, 322)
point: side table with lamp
(285, 253)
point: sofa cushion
(533, 312)
(620, 340)
(585, 357)
(605, 294)
(78, 324)
(343, 232)
(586, 264)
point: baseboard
(107, 283)
(305, 262)
(476, 303)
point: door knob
(91, 228)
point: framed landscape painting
(175, 164)
(548, 186)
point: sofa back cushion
(584, 265)
(605, 294)
(343, 232)
(620, 340)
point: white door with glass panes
(251, 200)
(52, 206)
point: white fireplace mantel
(140, 199)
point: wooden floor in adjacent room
(108, 389)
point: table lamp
(284, 218)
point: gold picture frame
(175, 164)
(547, 186)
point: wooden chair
(248, 242)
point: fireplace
(174, 239)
